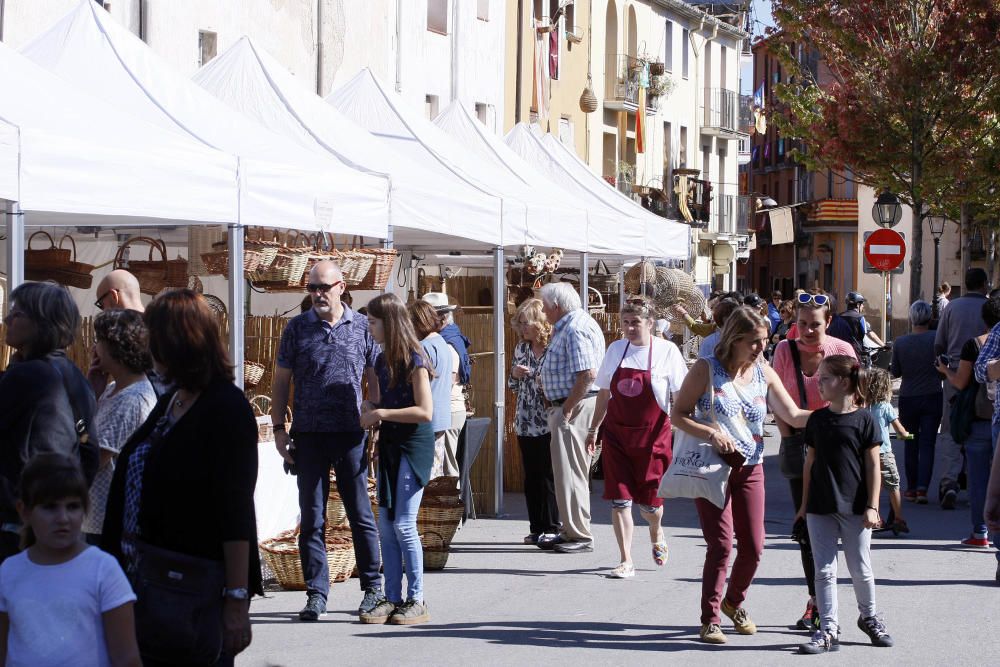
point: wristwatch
(236, 593)
(278, 427)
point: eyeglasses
(100, 300)
(814, 299)
(322, 287)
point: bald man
(119, 290)
(326, 351)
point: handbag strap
(797, 362)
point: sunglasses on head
(814, 299)
(321, 287)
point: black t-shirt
(837, 481)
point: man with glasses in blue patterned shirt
(326, 351)
(568, 372)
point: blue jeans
(400, 540)
(921, 416)
(314, 454)
(979, 449)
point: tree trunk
(916, 254)
(965, 222)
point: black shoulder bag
(792, 453)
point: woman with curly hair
(531, 423)
(121, 353)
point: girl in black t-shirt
(840, 490)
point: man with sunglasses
(326, 351)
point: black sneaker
(948, 499)
(315, 607)
(373, 595)
(821, 642)
(874, 627)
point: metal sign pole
(885, 301)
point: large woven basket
(201, 238)
(154, 275)
(253, 373)
(602, 279)
(70, 273)
(281, 554)
(441, 509)
(642, 272)
(262, 409)
(52, 257)
(378, 276)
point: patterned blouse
(530, 417)
(740, 409)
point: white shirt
(56, 611)
(667, 373)
(457, 391)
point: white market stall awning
(606, 234)
(425, 211)
(65, 154)
(666, 239)
(527, 217)
(281, 184)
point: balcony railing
(621, 82)
(743, 213)
(721, 113)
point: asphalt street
(500, 602)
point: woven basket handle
(440, 538)
(261, 404)
(52, 243)
(153, 243)
(72, 243)
(601, 269)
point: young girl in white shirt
(62, 602)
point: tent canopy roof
(280, 183)
(424, 211)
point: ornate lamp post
(887, 211)
(936, 223)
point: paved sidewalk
(499, 602)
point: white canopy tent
(281, 184)
(668, 239)
(607, 234)
(423, 212)
(527, 217)
(58, 166)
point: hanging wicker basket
(588, 101)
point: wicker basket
(281, 554)
(52, 257)
(217, 261)
(261, 405)
(355, 265)
(441, 509)
(642, 272)
(435, 550)
(70, 273)
(602, 279)
(378, 276)
(201, 238)
(154, 275)
(253, 373)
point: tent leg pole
(237, 303)
(584, 282)
(621, 287)
(499, 373)
(15, 246)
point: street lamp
(887, 211)
(936, 223)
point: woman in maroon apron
(632, 413)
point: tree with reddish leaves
(904, 92)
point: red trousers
(744, 516)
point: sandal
(623, 571)
(660, 553)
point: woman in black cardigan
(185, 480)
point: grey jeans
(824, 531)
(949, 452)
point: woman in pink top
(796, 363)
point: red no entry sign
(885, 249)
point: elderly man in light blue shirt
(569, 369)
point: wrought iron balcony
(621, 84)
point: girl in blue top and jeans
(406, 454)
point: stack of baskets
(438, 519)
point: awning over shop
(527, 217)
(664, 238)
(65, 154)
(280, 183)
(425, 210)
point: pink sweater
(785, 369)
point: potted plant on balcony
(656, 68)
(626, 176)
(660, 86)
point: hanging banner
(541, 77)
(782, 227)
(640, 122)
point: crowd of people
(128, 492)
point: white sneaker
(623, 571)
